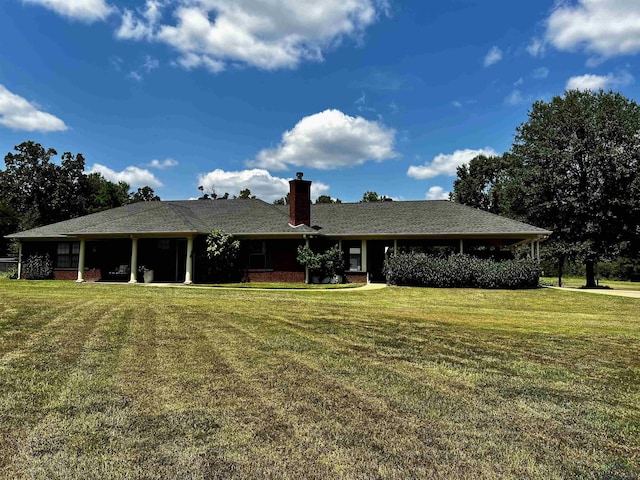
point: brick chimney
(299, 201)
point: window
(355, 259)
(257, 255)
(68, 255)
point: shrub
(222, 255)
(326, 264)
(38, 267)
(460, 271)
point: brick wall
(280, 276)
(91, 275)
(356, 277)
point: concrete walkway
(602, 291)
(369, 286)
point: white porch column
(538, 251)
(306, 268)
(532, 250)
(461, 246)
(189, 270)
(134, 261)
(83, 245)
(19, 260)
(363, 258)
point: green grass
(123, 381)
(285, 286)
(577, 282)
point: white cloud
(446, 164)
(143, 26)
(514, 98)
(20, 114)
(493, 56)
(267, 35)
(84, 10)
(328, 140)
(161, 165)
(437, 193)
(536, 47)
(542, 72)
(597, 82)
(134, 176)
(605, 28)
(261, 183)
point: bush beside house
(460, 271)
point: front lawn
(577, 282)
(123, 381)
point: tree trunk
(560, 265)
(591, 275)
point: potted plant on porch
(147, 273)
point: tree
(145, 194)
(8, 225)
(579, 173)
(484, 183)
(246, 193)
(327, 199)
(222, 254)
(370, 196)
(101, 194)
(282, 201)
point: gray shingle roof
(427, 217)
(255, 217)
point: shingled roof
(257, 218)
(413, 218)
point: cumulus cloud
(328, 140)
(20, 114)
(261, 183)
(134, 176)
(83, 10)
(162, 164)
(437, 193)
(605, 28)
(267, 35)
(597, 82)
(446, 164)
(141, 24)
(493, 56)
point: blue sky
(383, 95)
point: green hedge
(460, 271)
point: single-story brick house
(166, 236)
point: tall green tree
(484, 183)
(579, 174)
(145, 194)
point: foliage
(323, 264)
(245, 194)
(282, 201)
(37, 267)
(36, 191)
(580, 174)
(145, 194)
(370, 196)
(460, 271)
(327, 199)
(222, 253)
(483, 183)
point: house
(169, 236)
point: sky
(382, 95)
